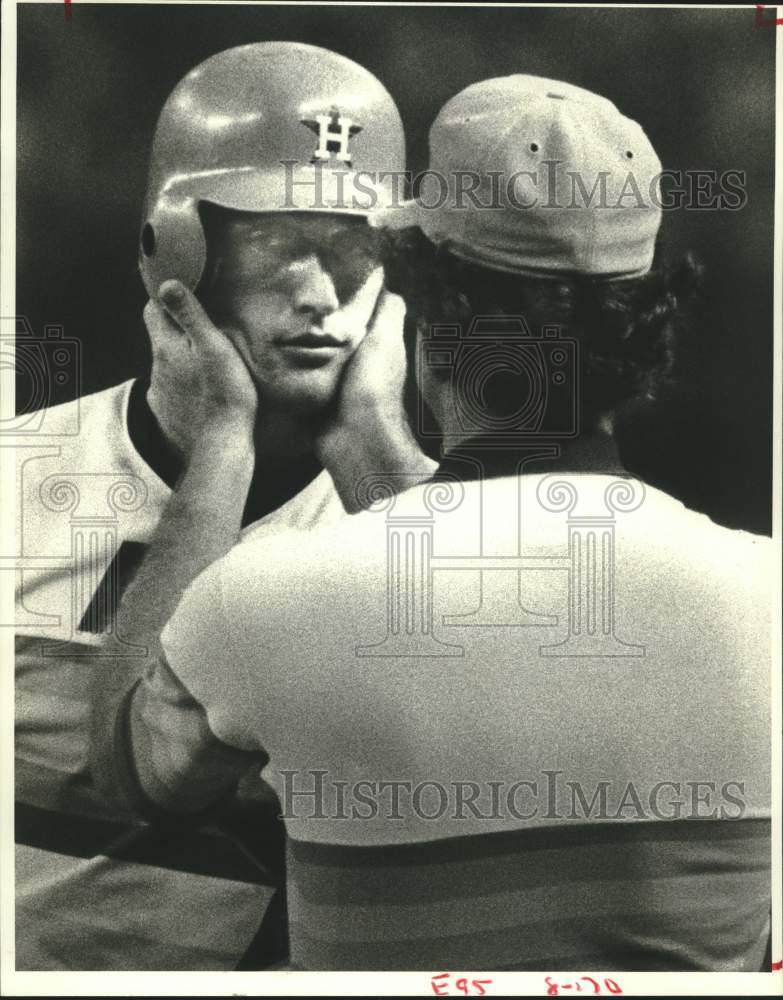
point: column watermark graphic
(68, 531)
(591, 566)
(93, 504)
(409, 543)
(589, 560)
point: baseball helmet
(267, 127)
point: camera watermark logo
(505, 398)
(502, 380)
(44, 366)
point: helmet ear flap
(172, 244)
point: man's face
(294, 292)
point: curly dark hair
(627, 329)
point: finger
(388, 316)
(385, 334)
(187, 312)
(166, 338)
(158, 323)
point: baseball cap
(536, 176)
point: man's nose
(314, 291)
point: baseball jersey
(515, 724)
(96, 889)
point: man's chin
(305, 394)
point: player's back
(532, 732)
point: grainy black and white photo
(390, 498)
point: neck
(284, 455)
(282, 438)
(593, 451)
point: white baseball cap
(535, 176)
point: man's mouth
(313, 339)
(313, 347)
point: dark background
(701, 82)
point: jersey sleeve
(168, 752)
(169, 757)
(204, 656)
(265, 641)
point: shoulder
(339, 570)
(78, 461)
(83, 433)
(73, 418)
(695, 547)
(350, 549)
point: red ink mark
(472, 987)
(437, 987)
(553, 989)
(777, 966)
(760, 22)
(67, 10)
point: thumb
(187, 312)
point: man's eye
(361, 241)
(350, 276)
(283, 247)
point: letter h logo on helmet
(334, 133)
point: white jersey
(438, 633)
(88, 897)
(84, 494)
(481, 687)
